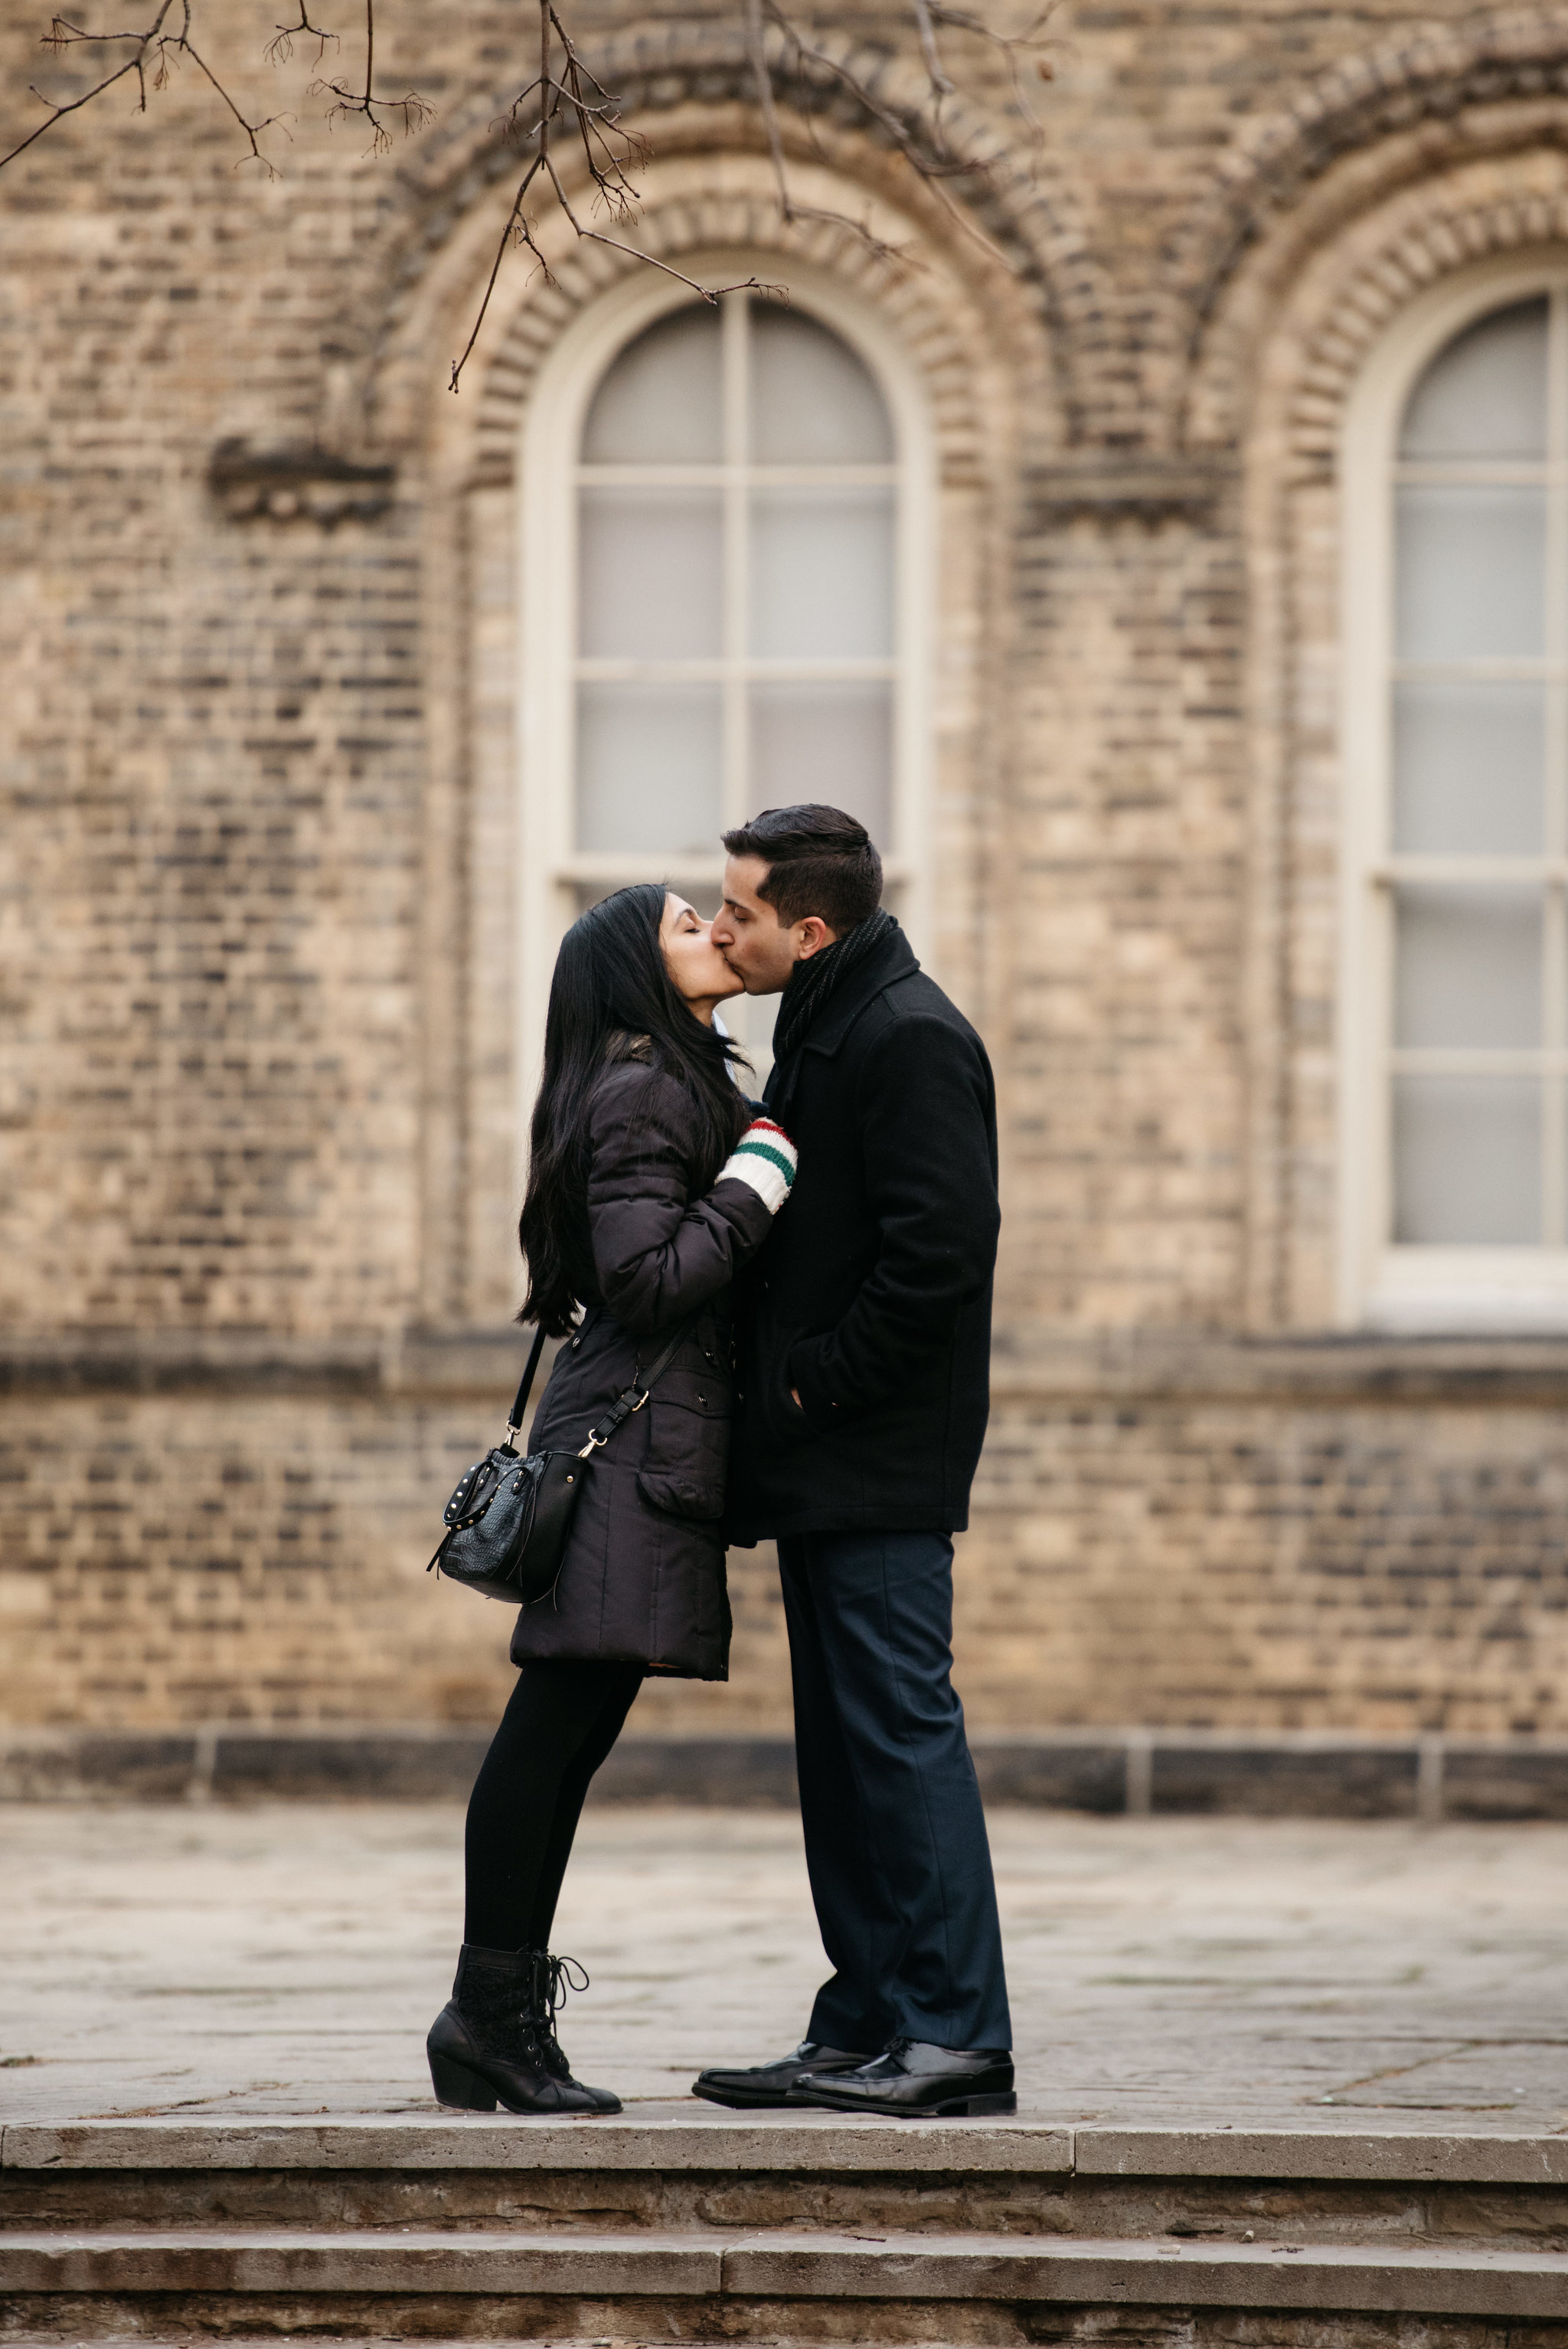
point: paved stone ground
(288, 1959)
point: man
(863, 1400)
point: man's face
(750, 937)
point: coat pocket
(689, 1447)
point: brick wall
(257, 908)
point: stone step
(749, 2284)
(704, 2167)
(679, 2171)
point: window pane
(1468, 769)
(1485, 395)
(1467, 1162)
(650, 573)
(831, 743)
(660, 403)
(812, 402)
(649, 763)
(821, 574)
(1468, 968)
(1470, 571)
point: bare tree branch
(279, 49)
(154, 50)
(565, 95)
(575, 96)
(413, 111)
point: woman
(648, 1186)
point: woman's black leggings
(561, 1723)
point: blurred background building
(1164, 547)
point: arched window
(744, 601)
(1457, 613)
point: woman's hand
(765, 1159)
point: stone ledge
(1108, 484)
(1234, 2275)
(709, 2141)
(1049, 1368)
(1256, 1774)
(299, 481)
(786, 2265)
(1218, 1366)
(1362, 2157)
(268, 2259)
(705, 2138)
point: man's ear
(811, 937)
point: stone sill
(1049, 1368)
(1321, 1773)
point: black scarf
(812, 982)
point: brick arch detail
(1426, 78)
(1313, 299)
(931, 337)
(976, 337)
(1028, 204)
(1426, 246)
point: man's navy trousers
(895, 1835)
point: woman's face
(698, 970)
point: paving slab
(281, 1964)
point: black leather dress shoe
(770, 2084)
(916, 2079)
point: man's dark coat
(872, 1296)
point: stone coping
(712, 2140)
(1261, 1772)
(792, 2264)
(1051, 1366)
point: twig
(576, 97)
(415, 110)
(154, 48)
(279, 49)
(790, 211)
(570, 96)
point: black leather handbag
(508, 1521)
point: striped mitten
(765, 1157)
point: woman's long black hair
(612, 986)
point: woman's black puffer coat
(642, 1579)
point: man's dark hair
(820, 860)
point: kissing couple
(828, 1253)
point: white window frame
(551, 868)
(1381, 1286)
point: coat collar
(895, 959)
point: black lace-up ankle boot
(553, 1978)
(494, 2040)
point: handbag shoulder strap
(636, 1394)
(514, 1417)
